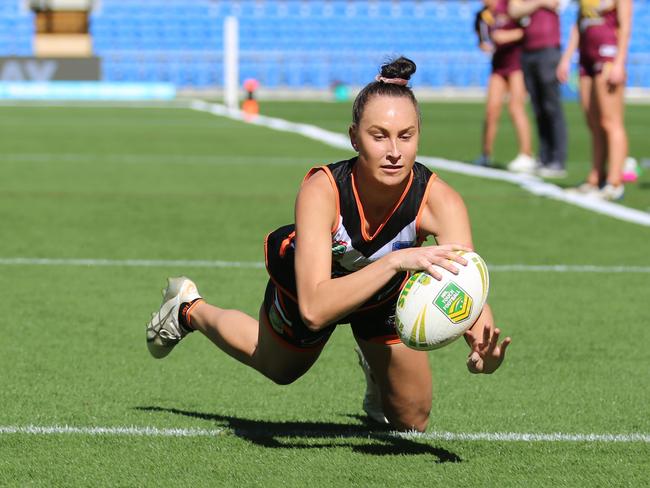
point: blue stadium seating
(16, 29)
(297, 43)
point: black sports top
(352, 247)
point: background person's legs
(517, 109)
(589, 102)
(611, 106)
(495, 92)
(530, 68)
(551, 107)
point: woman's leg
(496, 90)
(590, 108)
(517, 108)
(611, 105)
(404, 380)
(251, 342)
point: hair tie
(393, 81)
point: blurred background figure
(250, 106)
(602, 34)
(500, 35)
(540, 58)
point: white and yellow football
(431, 313)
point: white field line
(167, 104)
(133, 431)
(174, 263)
(116, 431)
(139, 263)
(152, 158)
(529, 183)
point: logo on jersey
(339, 248)
(397, 245)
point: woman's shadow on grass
(288, 435)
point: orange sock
(184, 313)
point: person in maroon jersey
(539, 61)
(501, 36)
(359, 226)
(602, 35)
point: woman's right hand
(428, 257)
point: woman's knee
(411, 417)
(282, 373)
(492, 112)
(611, 125)
(281, 379)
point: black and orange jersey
(352, 247)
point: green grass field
(175, 184)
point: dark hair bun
(398, 68)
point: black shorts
(374, 323)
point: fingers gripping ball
(431, 313)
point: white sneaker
(372, 399)
(164, 331)
(523, 163)
(552, 170)
(585, 189)
(611, 193)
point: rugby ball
(430, 314)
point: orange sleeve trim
(423, 205)
(364, 233)
(330, 176)
(286, 243)
(275, 282)
(266, 263)
(266, 251)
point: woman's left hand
(486, 353)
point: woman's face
(387, 138)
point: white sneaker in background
(523, 163)
(585, 189)
(551, 171)
(372, 399)
(164, 331)
(611, 193)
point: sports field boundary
(172, 263)
(529, 183)
(134, 431)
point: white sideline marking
(152, 158)
(126, 431)
(527, 437)
(531, 184)
(141, 263)
(162, 263)
(445, 436)
(567, 268)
